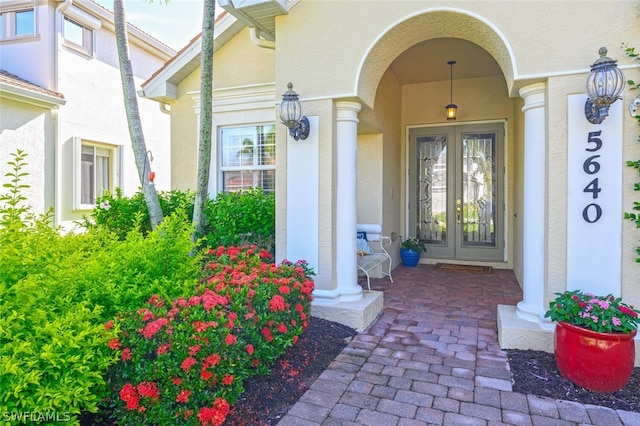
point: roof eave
(27, 96)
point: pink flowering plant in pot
(602, 314)
(593, 339)
(184, 361)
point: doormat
(452, 267)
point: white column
(346, 249)
(531, 307)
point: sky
(174, 23)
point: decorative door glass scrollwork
(478, 215)
(431, 196)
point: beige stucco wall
(237, 67)
(530, 40)
(184, 134)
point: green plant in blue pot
(410, 251)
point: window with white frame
(78, 36)
(97, 169)
(18, 23)
(248, 157)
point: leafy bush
(59, 290)
(185, 362)
(236, 218)
(245, 217)
(122, 214)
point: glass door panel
(478, 215)
(432, 189)
(456, 207)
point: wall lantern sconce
(604, 86)
(291, 114)
(452, 109)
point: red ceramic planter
(602, 362)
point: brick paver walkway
(432, 357)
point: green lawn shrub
(57, 292)
(235, 218)
(184, 362)
(244, 217)
(123, 214)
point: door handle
(458, 209)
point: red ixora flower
(153, 327)
(149, 390)
(216, 415)
(183, 396)
(129, 395)
(283, 289)
(126, 354)
(276, 303)
(250, 349)
(115, 344)
(188, 363)
(267, 334)
(227, 380)
(109, 325)
(230, 339)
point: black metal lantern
(452, 108)
(290, 112)
(604, 86)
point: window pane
(25, 22)
(102, 171)
(248, 157)
(87, 173)
(73, 32)
(267, 145)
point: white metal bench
(377, 242)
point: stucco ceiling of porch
(427, 61)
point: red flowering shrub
(184, 361)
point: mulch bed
(267, 398)
(536, 373)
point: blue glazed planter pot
(410, 258)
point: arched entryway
(455, 181)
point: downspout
(259, 41)
(57, 203)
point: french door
(456, 185)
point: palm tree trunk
(133, 115)
(206, 120)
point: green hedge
(236, 218)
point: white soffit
(259, 14)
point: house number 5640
(592, 212)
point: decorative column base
(358, 314)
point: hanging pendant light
(452, 108)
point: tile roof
(15, 81)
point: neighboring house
(61, 102)
(504, 184)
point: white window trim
(222, 169)
(8, 15)
(88, 35)
(116, 170)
